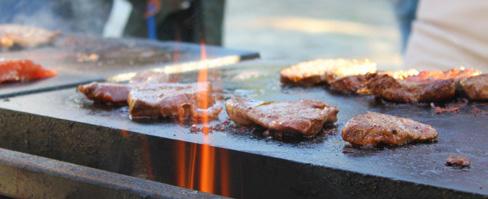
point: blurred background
(278, 29)
(291, 29)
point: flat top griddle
(464, 132)
(79, 59)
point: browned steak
(324, 71)
(194, 101)
(306, 117)
(117, 93)
(24, 36)
(106, 93)
(350, 84)
(426, 86)
(408, 91)
(476, 88)
(373, 129)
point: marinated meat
(410, 91)
(324, 71)
(476, 88)
(351, 84)
(426, 86)
(374, 129)
(194, 101)
(458, 161)
(305, 117)
(24, 36)
(23, 70)
(106, 93)
(117, 93)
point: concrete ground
(307, 29)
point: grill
(60, 124)
(80, 59)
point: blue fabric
(151, 23)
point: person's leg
(200, 20)
(405, 11)
(210, 15)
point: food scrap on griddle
(453, 107)
(458, 161)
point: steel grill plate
(62, 125)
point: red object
(23, 70)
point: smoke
(75, 16)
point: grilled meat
(106, 93)
(23, 70)
(117, 93)
(426, 86)
(322, 71)
(459, 161)
(305, 117)
(351, 84)
(476, 88)
(24, 36)
(173, 100)
(406, 91)
(373, 129)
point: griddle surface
(465, 132)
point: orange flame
(186, 166)
(207, 158)
(196, 165)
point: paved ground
(306, 29)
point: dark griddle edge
(254, 176)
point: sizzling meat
(408, 91)
(117, 93)
(322, 71)
(351, 84)
(107, 93)
(459, 161)
(23, 70)
(306, 117)
(426, 86)
(24, 36)
(173, 100)
(476, 88)
(373, 129)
